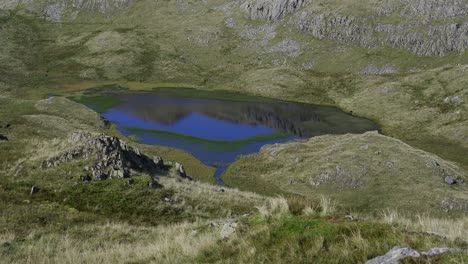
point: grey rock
(181, 171)
(108, 157)
(450, 180)
(228, 229)
(421, 36)
(399, 253)
(290, 47)
(372, 69)
(438, 251)
(365, 147)
(271, 9)
(454, 99)
(35, 189)
(158, 161)
(394, 256)
(309, 65)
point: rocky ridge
(271, 10)
(424, 27)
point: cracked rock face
(271, 10)
(424, 28)
(109, 157)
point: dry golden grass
(276, 207)
(452, 228)
(116, 243)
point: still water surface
(217, 128)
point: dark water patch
(217, 127)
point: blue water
(194, 124)
(218, 131)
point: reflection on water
(217, 131)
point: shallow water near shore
(217, 127)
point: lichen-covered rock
(394, 256)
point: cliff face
(424, 27)
(271, 10)
(425, 39)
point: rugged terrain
(75, 190)
(366, 172)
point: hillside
(76, 190)
(367, 172)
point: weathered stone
(85, 178)
(438, 251)
(271, 9)
(158, 161)
(35, 189)
(394, 256)
(228, 229)
(289, 47)
(3, 138)
(181, 171)
(154, 185)
(450, 180)
(399, 253)
(365, 147)
(109, 157)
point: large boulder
(109, 157)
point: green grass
(372, 173)
(100, 103)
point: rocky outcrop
(271, 10)
(109, 157)
(289, 47)
(399, 253)
(58, 10)
(394, 256)
(423, 27)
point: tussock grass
(453, 228)
(327, 206)
(115, 243)
(274, 208)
